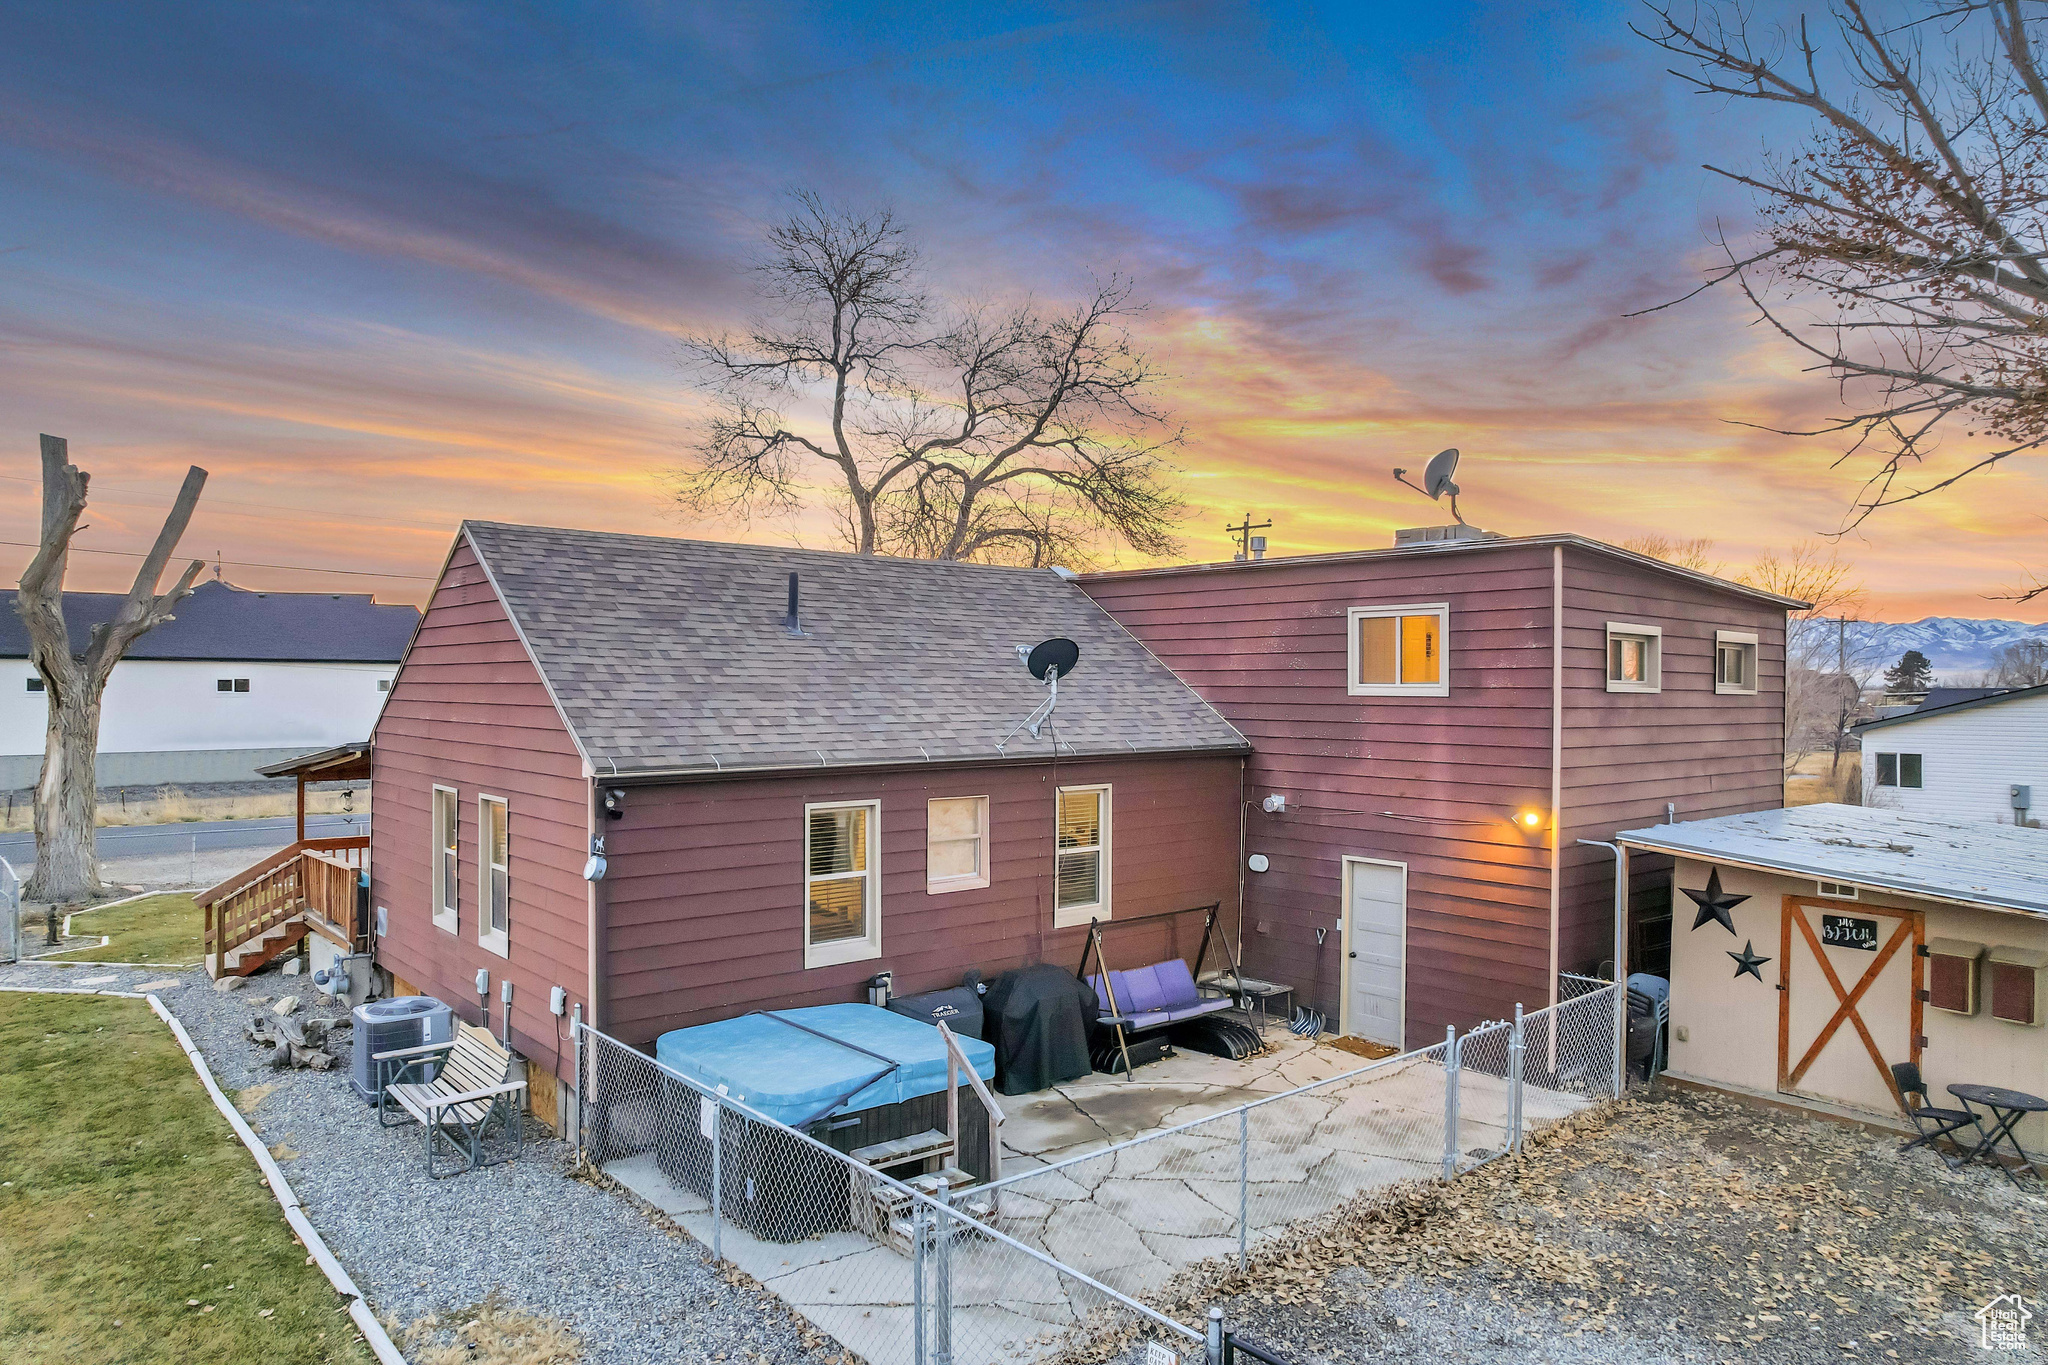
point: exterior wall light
(1529, 819)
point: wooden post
(302, 808)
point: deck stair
(883, 1210)
(264, 911)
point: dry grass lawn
(157, 929)
(137, 1229)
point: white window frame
(1100, 909)
(1634, 630)
(491, 940)
(1440, 688)
(1745, 640)
(851, 949)
(1838, 891)
(938, 886)
(441, 885)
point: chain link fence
(912, 1271)
(901, 1273)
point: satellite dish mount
(1049, 661)
(1436, 480)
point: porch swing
(1151, 1010)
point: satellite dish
(1436, 480)
(1056, 656)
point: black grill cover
(960, 1007)
(1039, 1018)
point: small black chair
(1932, 1124)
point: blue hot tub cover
(769, 1062)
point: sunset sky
(380, 268)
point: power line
(238, 563)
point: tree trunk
(67, 801)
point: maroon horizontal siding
(1433, 782)
(704, 899)
(468, 710)
(1427, 781)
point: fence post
(1450, 1100)
(582, 1036)
(717, 1178)
(917, 1304)
(1244, 1173)
(1214, 1341)
(942, 1295)
(1517, 1048)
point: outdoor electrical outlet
(558, 1001)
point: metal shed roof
(1964, 862)
(224, 623)
(669, 657)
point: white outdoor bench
(458, 1104)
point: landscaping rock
(230, 983)
(293, 967)
(288, 1005)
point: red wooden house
(797, 807)
(1411, 741)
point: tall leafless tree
(74, 679)
(1913, 217)
(1003, 433)
(2023, 663)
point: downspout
(597, 1014)
(1556, 753)
(1243, 818)
(1620, 958)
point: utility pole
(1249, 546)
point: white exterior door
(1375, 949)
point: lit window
(842, 885)
(1735, 662)
(1399, 649)
(493, 875)
(1635, 660)
(444, 858)
(956, 843)
(1081, 863)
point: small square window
(1735, 662)
(223, 684)
(35, 684)
(241, 684)
(1635, 657)
(956, 843)
(383, 684)
(1397, 650)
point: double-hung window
(956, 843)
(494, 875)
(1735, 662)
(1399, 650)
(1081, 862)
(1899, 770)
(444, 855)
(842, 883)
(1635, 657)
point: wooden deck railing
(313, 874)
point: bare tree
(74, 680)
(1914, 216)
(1002, 433)
(1695, 552)
(2023, 663)
(1826, 664)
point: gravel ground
(631, 1292)
(1678, 1227)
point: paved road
(130, 841)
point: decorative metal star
(1714, 904)
(1748, 961)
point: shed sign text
(1847, 931)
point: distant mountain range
(1959, 648)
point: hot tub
(849, 1075)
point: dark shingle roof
(670, 655)
(220, 621)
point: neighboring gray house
(236, 680)
(1977, 754)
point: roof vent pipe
(790, 622)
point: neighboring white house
(1982, 758)
(237, 680)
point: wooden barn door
(1850, 978)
